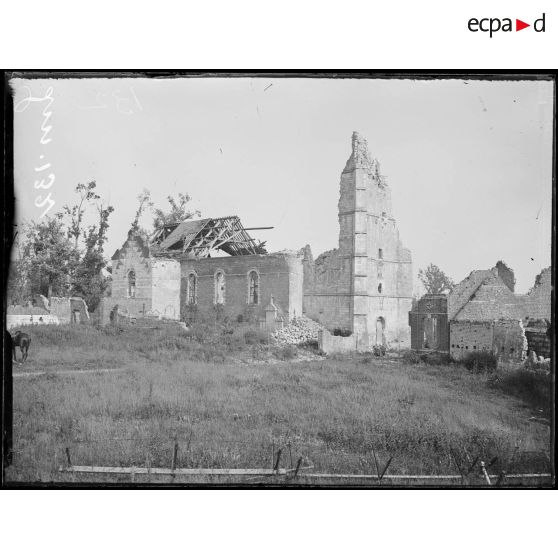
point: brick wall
(279, 275)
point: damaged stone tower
(366, 284)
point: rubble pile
(299, 330)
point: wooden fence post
(486, 477)
(174, 456)
(298, 464)
(276, 466)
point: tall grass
(334, 413)
(84, 346)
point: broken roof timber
(198, 238)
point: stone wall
(504, 338)
(327, 294)
(61, 307)
(165, 287)
(538, 303)
(466, 337)
(331, 344)
(154, 290)
(79, 311)
(279, 275)
(132, 257)
(18, 320)
(510, 342)
(539, 335)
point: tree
(144, 200)
(88, 280)
(77, 212)
(46, 258)
(179, 212)
(435, 281)
(61, 255)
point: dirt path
(56, 372)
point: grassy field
(229, 400)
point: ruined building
(482, 313)
(205, 266)
(365, 285)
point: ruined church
(361, 289)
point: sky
(469, 162)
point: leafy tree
(61, 256)
(178, 212)
(46, 258)
(144, 200)
(435, 281)
(88, 280)
(77, 212)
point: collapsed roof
(199, 238)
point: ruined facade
(242, 285)
(212, 265)
(484, 314)
(365, 285)
(428, 320)
(177, 283)
(143, 285)
(56, 310)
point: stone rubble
(299, 330)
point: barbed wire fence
(274, 460)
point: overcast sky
(469, 162)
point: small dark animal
(21, 340)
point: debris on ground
(300, 330)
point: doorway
(380, 331)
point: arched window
(380, 254)
(192, 294)
(253, 288)
(219, 288)
(132, 283)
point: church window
(219, 288)
(132, 284)
(192, 288)
(253, 288)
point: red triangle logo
(519, 25)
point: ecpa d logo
(492, 25)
